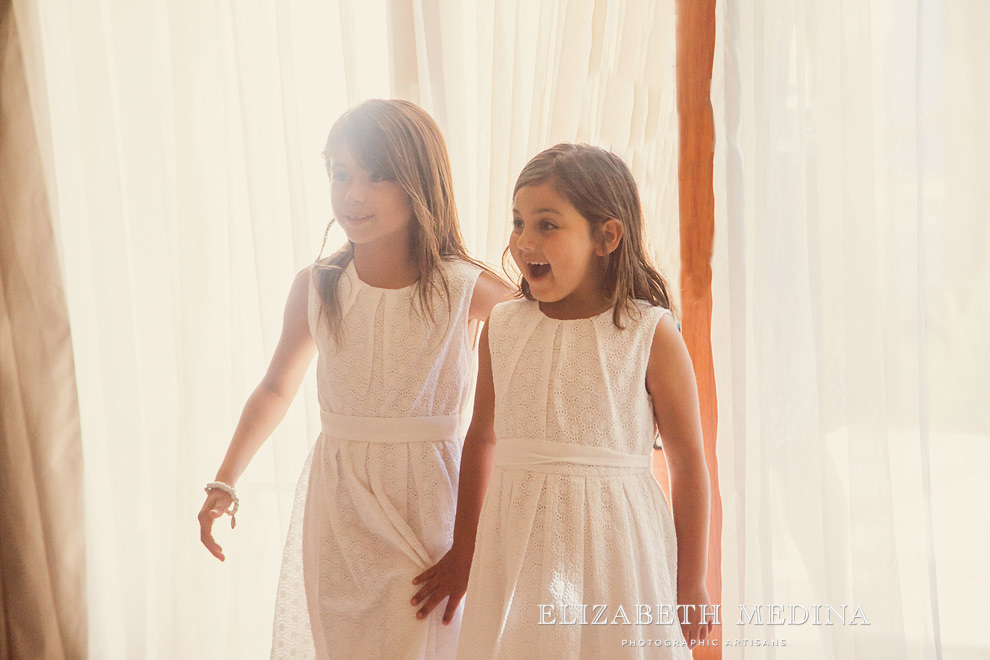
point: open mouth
(357, 218)
(536, 270)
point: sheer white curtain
(838, 197)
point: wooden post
(695, 34)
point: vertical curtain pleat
(42, 556)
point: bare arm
(449, 576)
(670, 381)
(488, 292)
(266, 406)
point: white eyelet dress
(574, 525)
(376, 499)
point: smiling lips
(536, 269)
(357, 218)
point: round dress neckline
(352, 271)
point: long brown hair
(398, 141)
(600, 186)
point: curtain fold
(42, 551)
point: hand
(695, 632)
(448, 577)
(217, 502)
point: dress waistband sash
(526, 452)
(391, 429)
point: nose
(526, 240)
(356, 192)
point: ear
(610, 234)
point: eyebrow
(543, 210)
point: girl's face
(368, 208)
(552, 245)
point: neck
(576, 307)
(386, 263)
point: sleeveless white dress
(574, 525)
(375, 503)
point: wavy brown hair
(600, 186)
(398, 141)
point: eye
(377, 177)
(517, 224)
(339, 175)
(546, 225)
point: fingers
(431, 603)
(696, 633)
(206, 519)
(425, 591)
(445, 579)
(428, 579)
(213, 547)
(206, 537)
(433, 591)
(451, 609)
(425, 575)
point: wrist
(463, 552)
(229, 490)
(226, 477)
(691, 586)
(463, 544)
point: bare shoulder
(666, 335)
(303, 275)
(297, 302)
(489, 291)
(669, 364)
(300, 283)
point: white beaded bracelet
(219, 485)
